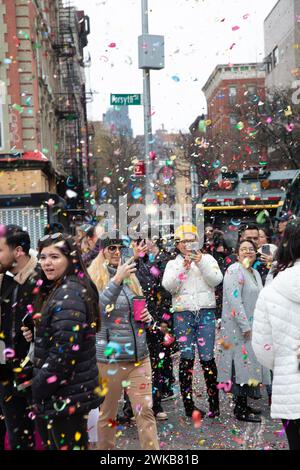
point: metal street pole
(147, 109)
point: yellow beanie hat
(183, 230)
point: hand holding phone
(28, 321)
(139, 304)
(265, 249)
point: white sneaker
(161, 416)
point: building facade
(231, 92)
(42, 144)
(282, 44)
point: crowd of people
(82, 326)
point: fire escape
(71, 100)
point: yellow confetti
(109, 308)
(77, 436)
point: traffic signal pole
(147, 113)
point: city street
(224, 433)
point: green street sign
(125, 100)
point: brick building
(43, 123)
(231, 91)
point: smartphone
(139, 303)
(265, 249)
(193, 246)
(126, 254)
(28, 321)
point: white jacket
(193, 289)
(276, 338)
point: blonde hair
(100, 276)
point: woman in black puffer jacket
(65, 386)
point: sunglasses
(114, 248)
(54, 236)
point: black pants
(2, 430)
(64, 432)
(292, 429)
(162, 368)
(15, 409)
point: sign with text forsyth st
(125, 100)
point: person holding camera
(122, 352)
(191, 278)
(18, 271)
(238, 366)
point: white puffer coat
(276, 338)
(193, 289)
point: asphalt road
(223, 433)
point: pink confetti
(226, 386)
(166, 316)
(269, 120)
(168, 339)
(235, 28)
(267, 347)
(52, 379)
(182, 277)
(75, 347)
(182, 339)
(246, 16)
(112, 44)
(232, 46)
(9, 353)
(39, 283)
(155, 271)
(201, 341)
(29, 308)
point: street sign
(125, 100)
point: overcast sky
(199, 34)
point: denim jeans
(195, 329)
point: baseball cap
(284, 217)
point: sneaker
(161, 416)
(169, 396)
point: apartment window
(233, 120)
(252, 93)
(275, 56)
(232, 95)
(269, 63)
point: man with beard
(17, 290)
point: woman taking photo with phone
(122, 352)
(238, 366)
(191, 279)
(65, 382)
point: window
(275, 56)
(232, 95)
(233, 120)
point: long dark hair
(289, 249)
(66, 245)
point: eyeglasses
(248, 250)
(114, 248)
(53, 236)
